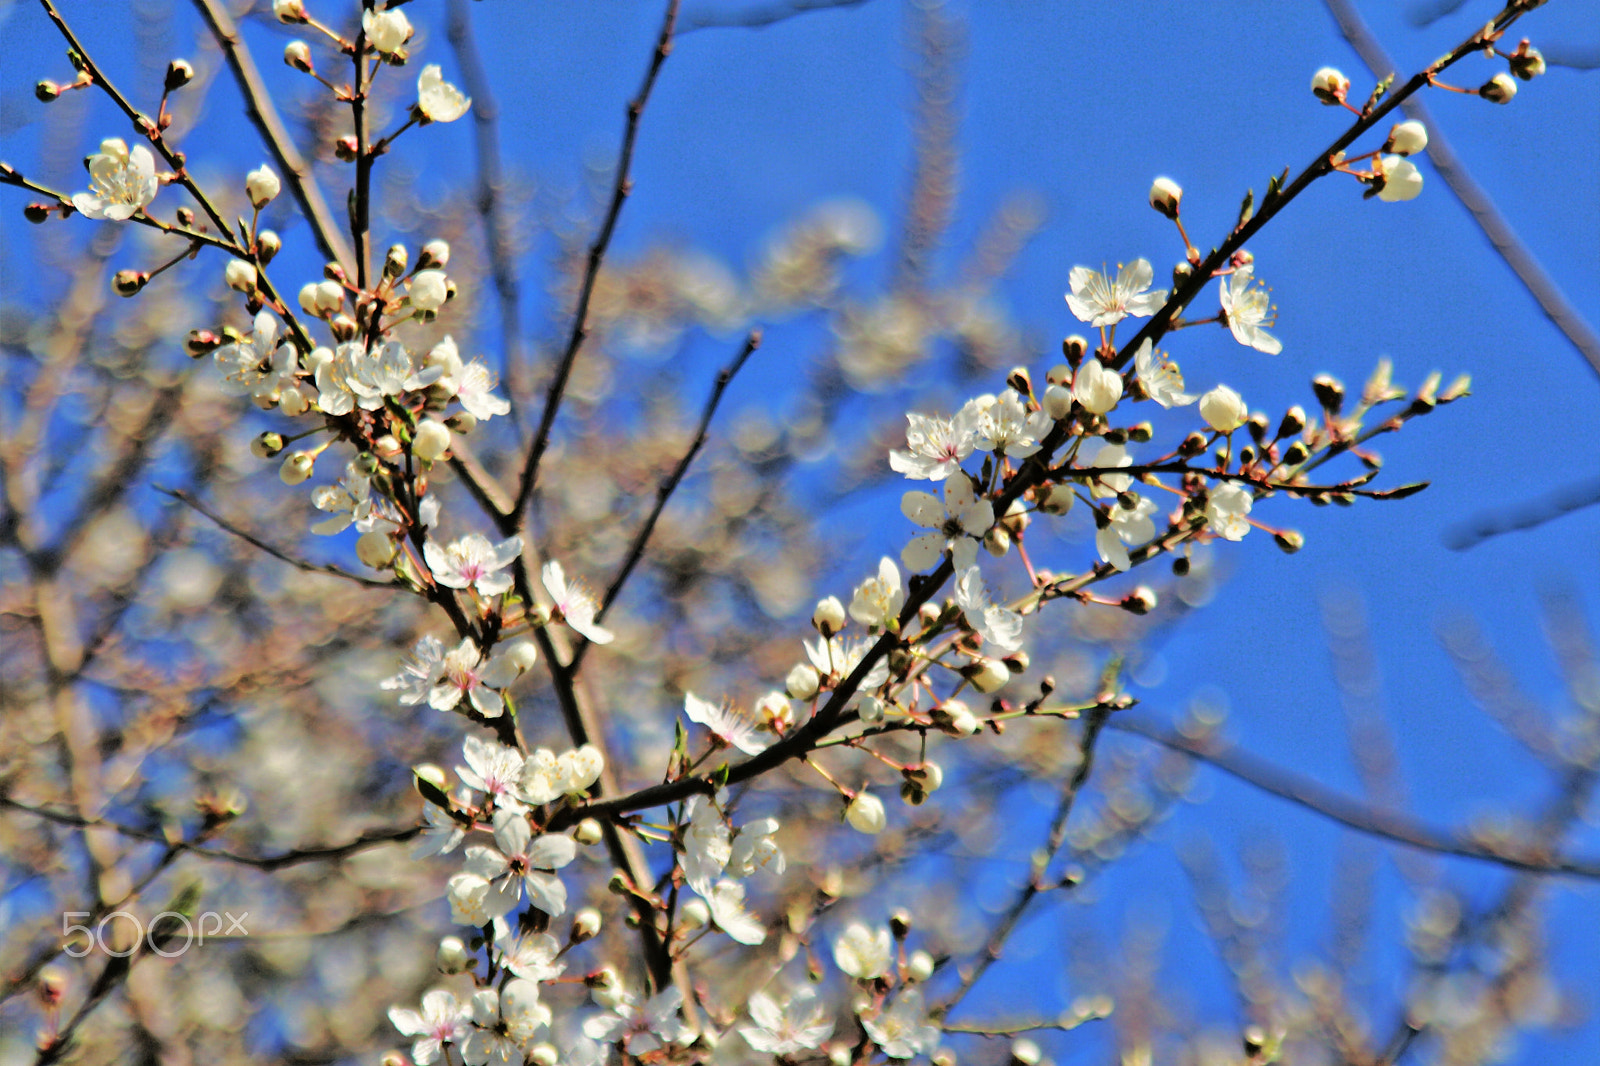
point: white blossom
(801, 1024)
(121, 182)
(259, 365)
(863, 953)
(442, 835)
(536, 957)
(1160, 377)
(754, 849)
(997, 625)
(419, 673)
(726, 900)
(503, 1021)
(1226, 508)
(387, 31)
(727, 723)
(935, 447)
(877, 600)
(466, 673)
(473, 562)
(441, 1021)
(1129, 525)
(1401, 179)
(438, 99)
(836, 658)
(1249, 310)
(1008, 428)
(1096, 387)
(547, 776)
(1099, 301)
(954, 524)
(523, 863)
(903, 1030)
(574, 603)
(641, 1028)
(707, 843)
(493, 769)
(1109, 457)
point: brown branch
(622, 186)
(1351, 813)
(276, 553)
(1540, 285)
(258, 108)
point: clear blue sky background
(1084, 104)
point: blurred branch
(276, 553)
(1527, 515)
(1348, 812)
(622, 186)
(486, 142)
(1543, 288)
(760, 16)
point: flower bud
(829, 617)
(1296, 454)
(394, 264)
(267, 445)
(452, 956)
(343, 327)
(329, 297)
(919, 967)
(1294, 420)
(1223, 409)
(1056, 499)
(1290, 540)
(240, 276)
(297, 54)
(1025, 1052)
(589, 833)
(296, 468)
(46, 91)
(866, 814)
(870, 709)
(987, 675)
(1058, 402)
(1020, 380)
(462, 422)
(1141, 600)
(308, 299)
(36, 213)
(1060, 374)
(1400, 179)
(387, 31)
(1330, 393)
(928, 777)
(320, 357)
(585, 925)
(1073, 348)
(545, 1055)
(129, 282)
(802, 682)
(1527, 62)
(997, 542)
(953, 717)
(435, 255)
(268, 245)
(427, 290)
(1330, 86)
(179, 74)
(431, 441)
(290, 11)
(375, 548)
(262, 186)
(1499, 89)
(345, 149)
(694, 914)
(1407, 138)
(202, 342)
(1165, 196)
(900, 923)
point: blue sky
(1083, 105)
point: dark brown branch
(1351, 813)
(621, 187)
(276, 553)
(258, 108)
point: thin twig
(1540, 285)
(1352, 813)
(258, 108)
(761, 16)
(276, 553)
(669, 486)
(621, 187)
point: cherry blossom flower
(754, 849)
(259, 365)
(574, 604)
(863, 953)
(1226, 508)
(438, 99)
(1099, 301)
(442, 835)
(836, 659)
(935, 447)
(503, 1021)
(493, 769)
(419, 673)
(355, 376)
(523, 863)
(726, 900)
(1248, 311)
(387, 31)
(465, 673)
(1160, 378)
(963, 516)
(1128, 526)
(997, 625)
(472, 562)
(865, 814)
(121, 182)
(727, 723)
(1109, 457)
(547, 776)
(1007, 427)
(536, 957)
(1223, 409)
(904, 1029)
(1401, 179)
(641, 1028)
(877, 600)
(1096, 387)
(707, 843)
(474, 389)
(349, 502)
(441, 1021)
(801, 1024)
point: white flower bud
(387, 31)
(308, 298)
(1025, 1052)
(435, 255)
(431, 773)
(929, 776)
(866, 814)
(607, 989)
(262, 186)
(427, 290)
(694, 914)
(1223, 409)
(431, 441)
(802, 682)
(919, 967)
(375, 548)
(330, 297)
(522, 654)
(1499, 89)
(319, 358)
(1401, 179)
(1408, 138)
(987, 675)
(1060, 374)
(1058, 402)
(589, 833)
(774, 712)
(956, 719)
(290, 11)
(1057, 499)
(453, 956)
(585, 925)
(296, 468)
(871, 709)
(1165, 196)
(267, 445)
(297, 54)
(240, 276)
(829, 616)
(437, 99)
(545, 1055)
(1330, 86)
(1097, 387)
